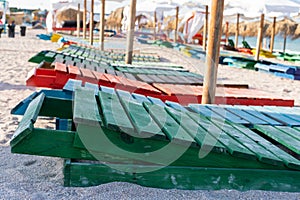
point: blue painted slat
(277, 116)
(175, 105)
(227, 115)
(259, 115)
(201, 109)
(72, 84)
(92, 86)
(156, 101)
(140, 98)
(107, 90)
(125, 95)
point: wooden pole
(154, 26)
(130, 32)
(213, 51)
(273, 35)
(78, 21)
(259, 36)
(92, 23)
(205, 28)
(102, 24)
(84, 19)
(176, 24)
(237, 30)
(284, 41)
(226, 32)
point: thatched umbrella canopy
(115, 18)
(296, 33)
(246, 29)
(69, 14)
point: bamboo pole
(213, 51)
(84, 20)
(205, 28)
(237, 31)
(130, 32)
(92, 23)
(273, 35)
(176, 24)
(226, 32)
(154, 26)
(259, 37)
(102, 24)
(78, 21)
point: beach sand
(34, 177)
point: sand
(34, 177)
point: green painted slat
(290, 131)
(115, 116)
(289, 160)
(86, 108)
(262, 154)
(72, 84)
(281, 137)
(234, 147)
(200, 135)
(170, 127)
(141, 120)
(29, 118)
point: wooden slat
(29, 118)
(201, 136)
(72, 84)
(86, 108)
(140, 98)
(281, 137)
(170, 127)
(115, 117)
(233, 146)
(74, 70)
(289, 160)
(141, 120)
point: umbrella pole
(154, 31)
(273, 35)
(213, 51)
(205, 28)
(84, 20)
(78, 21)
(259, 37)
(130, 32)
(92, 23)
(284, 41)
(176, 24)
(226, 32)
(237, 30)
(102, 23)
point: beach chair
(110, 142)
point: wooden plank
(141, 120)
(227, 115)
(72, 84)
(29, 118)
(93, 87)
(140, 98)
(289, 160)
(277, 116)
(124, 95)
(260, 152)
(244, 115)
(108, 90)
(156, 101)
(259, 115)
(280, 137)
(86, 108)
(170, 127)
(204, 111)
(233, 146)
(115, 117)
(175, 105)
(182, 177)
(295, 133)
(201, 136)
(74, 71)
